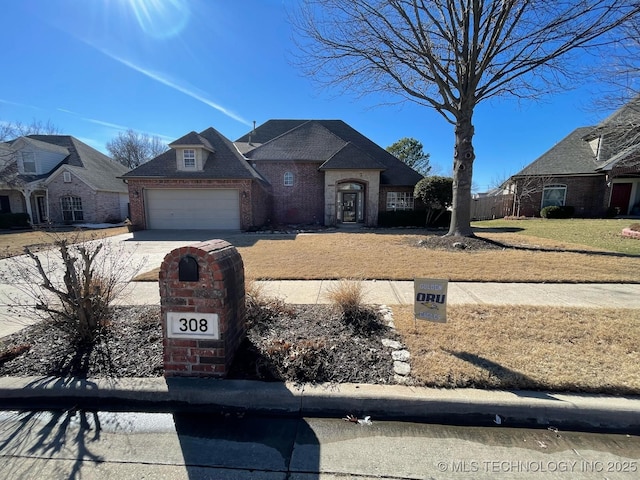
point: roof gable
(308, 141)
(91, 166)
(351, 157)
(192, 139)
(223, 162)
(395, 171)
(570, 156)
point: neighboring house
(595, 170)
(59, 179)
(283, 172)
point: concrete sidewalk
(381, 402)
(386, 292)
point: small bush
(73, 286)
(302, 361)
(554, 211)
(402, 218)
(14, 220)
(347, 296)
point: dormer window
(28, 162)
(189, 158)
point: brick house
(283, 172)
(595, 170)
(59, 179)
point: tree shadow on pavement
(26, 438)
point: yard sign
(430, 299)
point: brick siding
(97, 206)
(219, 289)
(587, 195)
(301, 203)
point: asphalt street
(107, 445)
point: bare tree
(451, 55)
(12, 130)
(132, 149)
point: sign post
(430, 299)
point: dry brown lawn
(535, 348)
(12, 244)
(397, 257)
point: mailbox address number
(192, 325)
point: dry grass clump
(348, 297)
(539, 348)
(262, 309)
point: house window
(28, 162)
(66, 177)
(288, 179)
(189, 158)
(72, 209)
(399, 201)
(554, 195)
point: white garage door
(199, 209)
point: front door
(349, 207)
(620, 197)
(42, 209)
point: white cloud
(190, 91)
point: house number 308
(193, 325)
(197, 325)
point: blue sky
(167, 67)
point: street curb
(581, 412)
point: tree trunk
(463, 158)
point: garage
(197, 209)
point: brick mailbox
(202, 300)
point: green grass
(604, 234)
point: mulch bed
(298, 343)
(453, 243)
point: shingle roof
(90, 165)
(192, 138)
(224, 162)
(351, 157)
(395, 172)
(308, 141)
(571, 156)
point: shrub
(436, 193)
(348, 296)
(14, 220)
(402, 218)
(74, 285)
(554, 211)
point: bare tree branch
(452, 54)
(133, 149)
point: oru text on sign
(193, 325)
(430, 299)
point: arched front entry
(350, 201)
